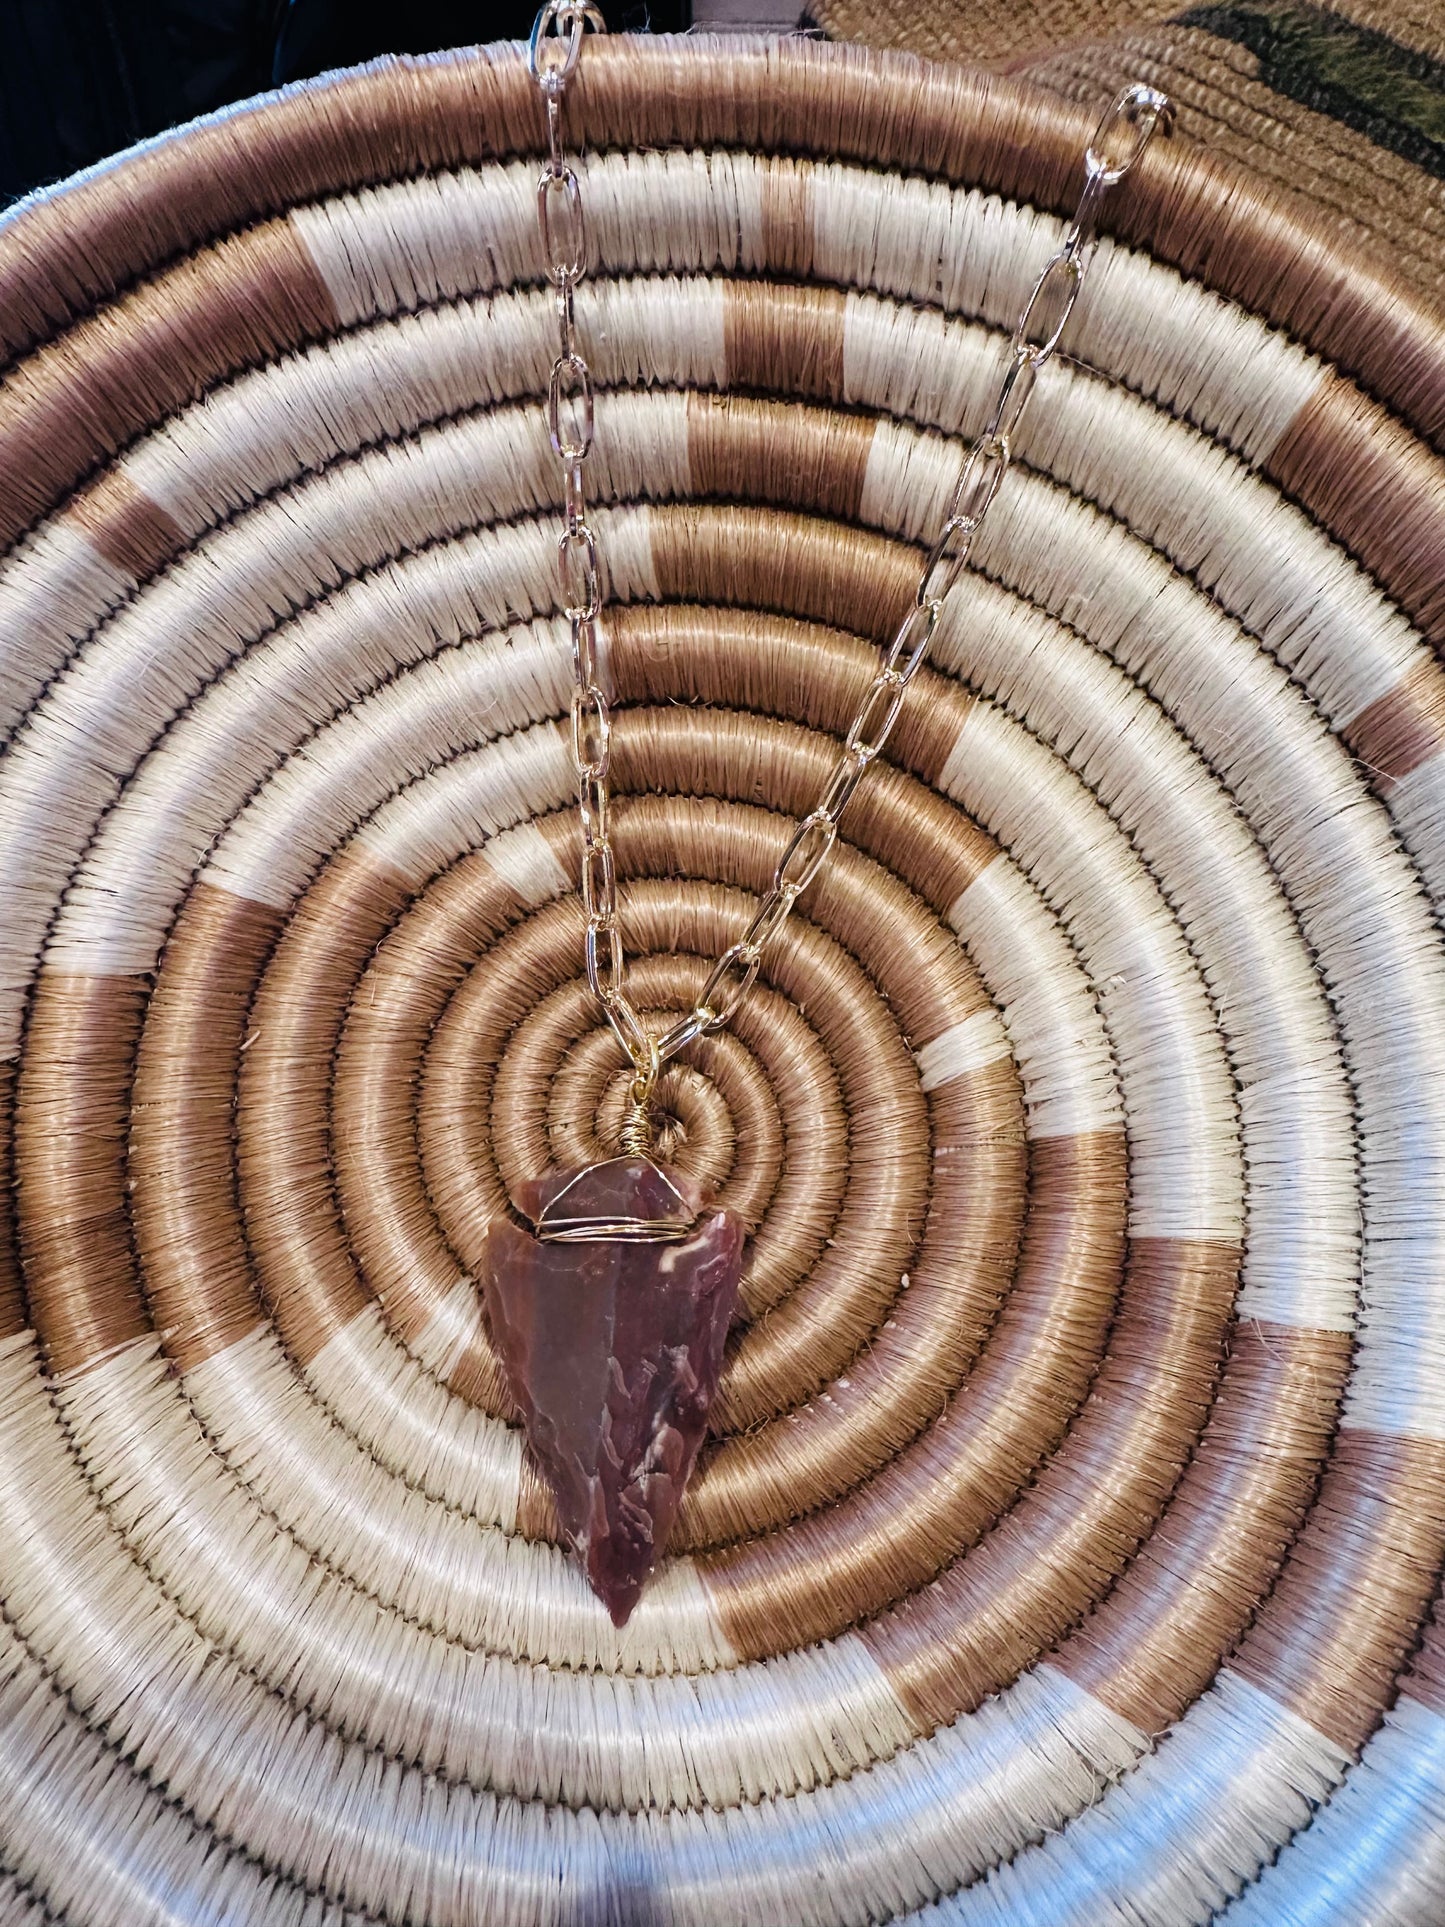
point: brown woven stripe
(784, 340)
(416, 969)
(803, 458)
(80, 401)
(740, 658)
(12, 1297)
(925, 1505)
(788, 563)
(1426, 1679)
(1155, 1643)
(72, 1119)
(1403, 728)
(892, 1381)
(1375, 489)
(999, 1608)
(536, 1508)
(1331, 1638)
(133, 533)
(187, 1219)
(952, 851)
(308, 1271)
(899, 1360)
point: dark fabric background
(81, 78)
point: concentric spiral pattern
(1067, 1549)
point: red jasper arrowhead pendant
(610, 1323)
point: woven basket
(1068, 1545)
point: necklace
(610, 1317)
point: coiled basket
(1069, 1545)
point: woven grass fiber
(1340, 105)
(1069, 1547)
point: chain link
(1120, 138)
(553, 54)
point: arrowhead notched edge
(616, 1414)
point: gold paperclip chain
(1120, 138)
